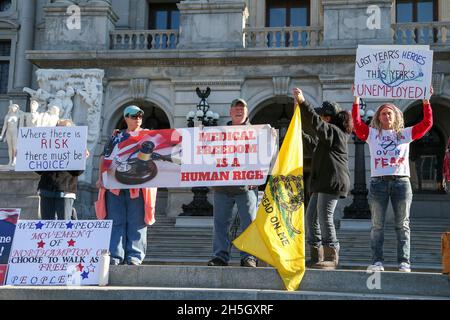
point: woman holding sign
(330, 177)
(388, 142)
(131, 210)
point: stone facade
(220, 44)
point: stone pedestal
(348, 22)
(19, 190)
(212, 23)
(85, 27)
(176, 197)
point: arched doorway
(427, 154)
(154, 117)
(278, 113)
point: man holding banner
(245, 198)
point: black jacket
(61, 181)
(329, 168)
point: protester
(446, 168)
(330, 178)
(389, 142)
(245, 198)
(131, 210)
(58, 189)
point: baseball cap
(328, 109)
(132, 111)
(236, 101)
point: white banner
(58, 252)
(208, 156)
(393, 72)
(51, 148)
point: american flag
(124, 145)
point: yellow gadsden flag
(277, 234)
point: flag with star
(277, 234)
(8, 222)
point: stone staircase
(156, 282)
(168, 244)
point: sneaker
(404, 267)
(217, 262)
(249, 262)
(133, 263)
(377, 266)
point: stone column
(444, 8)
(212, 23)
(346, 22)
(96, 20)
(25, 42)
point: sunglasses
(134, 117)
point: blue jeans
(223, 215)
(400, 193)
(129, 231)
(55, 207)
(320, 228)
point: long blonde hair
(399, 123)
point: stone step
(190, 294)
(165, 282)
(395, 283)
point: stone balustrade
(431, 33)
(144, 39)
(283, 37)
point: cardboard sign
(209, 156)
(58, 252)
(393, 72)
(8, 221)
(51, 149)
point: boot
(316, 254)
(331, 259)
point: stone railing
(283, 37)
(144, 39)
(431, 33)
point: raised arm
(419, 130)
(322, 129)
(361, 129)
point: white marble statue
(40, 95)
(51, 117)
(67, 103)
(92, 96)
(34, 117)
(13, 120)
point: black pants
(59, 208)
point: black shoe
(249, 262)
(217, 262)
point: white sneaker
(404, 267)
(377, 266)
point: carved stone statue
(33, 118)
(67, 103)
(92, 96)
(40, 95)
(13, 120)
(51, 117)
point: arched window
(5, 5)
